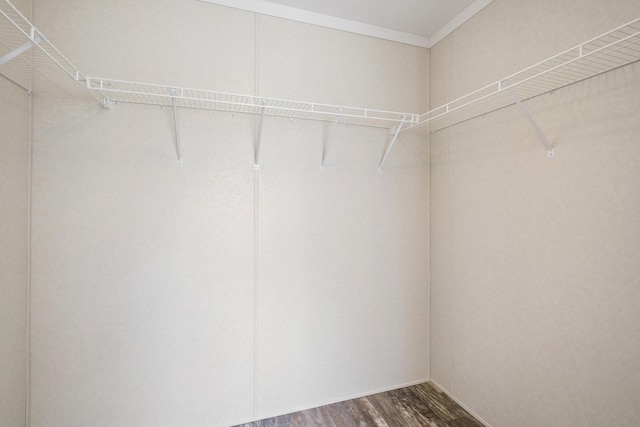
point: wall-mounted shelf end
(31, 62)
(609, 51)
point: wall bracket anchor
(107, 103)
(504, 84)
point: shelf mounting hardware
(396, 132)
(107, 103)
(504, 84)
(34, 40)
(330, 137)
(175, 126)
(256, 160)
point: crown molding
(286, 12)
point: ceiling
(417, 22)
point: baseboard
(465, 407)
(350, 397)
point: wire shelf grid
(30, 61)
(617, 48)
(144, 93)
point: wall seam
(429, 289)
(429, 305)
(27, 408)
(449, 223)
(256, 242)
(28, 282)
(256, 297)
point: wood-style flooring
(416, 406)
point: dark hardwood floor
(416, 406)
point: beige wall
(210, 294)
(14, 226)
(534, 281)
(14, 173)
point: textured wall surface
(14, 226)
(534, 283)
(213, 294)
(209, 293)
(14, 156)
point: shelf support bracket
(330, 137)
(175, 126)
(396, 132)
(21, 49)
(541, 136)
(256, 160)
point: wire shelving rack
(614, 49)
(144, 93)
(30, 61)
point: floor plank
(422, 405)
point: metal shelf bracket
(175, 126)
(396, 132)
(330, 137)
(55, 74)
(34, 40)
(504, 84)
(256, 160)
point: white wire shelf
(614, 49)
(30, 61)
(144, 93)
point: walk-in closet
(216, 212)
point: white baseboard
(342, 399)
(465, 407)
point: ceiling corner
(460, 19)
